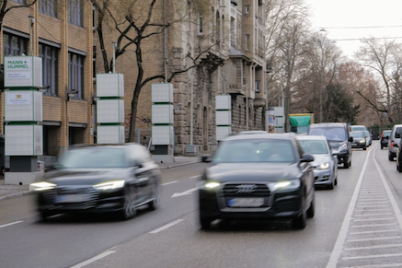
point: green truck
(300, 123)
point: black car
(258, 176)
(100, 178)
(385, 138)
(338, 136)
(359, 140)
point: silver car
(394, 140)
(325, 162)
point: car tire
(129, 209)
(399, 168)
(336, 181)
(390, 158)
(364, 148)
(44, 215)
(382, 147)
(311, 209)
(154, 204)
(346, 165)
(205, 222)
(300, 221)
(331, 186)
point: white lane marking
(377, 266)
(375, 214)
(372, 206)
(373, 199)
(373, 209)
(378, 231)
(378, 246)
(394, 205)
(372, 225)
(336, 252)
(9, 224)
(375, 219)
(165, 226)
(372, 239)
(185, 192)
(166, 183)
(372, 256)
(94, 259)
(193, 177)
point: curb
(180, 165)
(15, 195)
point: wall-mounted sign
(18, 98)
(22, 71)
(19, 69)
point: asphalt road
(357, 224)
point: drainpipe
(191, 110)
(32, 20)
(164, 40)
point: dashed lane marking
(9, 224)
(164, 227)
(94, 259)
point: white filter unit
(162, 93)
(110, 111)
(223, 102)
(222, 132)
(110, 134)
(110, 85)
(223, 118)
(23, 140)
(162, 114)
(162, 135)
(23, 71)
(23, 106)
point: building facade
(227, 45)
(62, 34)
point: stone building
(62, 36)
(230, 41)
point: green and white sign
(22, 71)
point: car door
(141, 174)
(307, 177)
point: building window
(94, 62)
(48, 7)
(247, 41)
(247, 9)
(14, 45)
(93, 18)
(76, 74)
(257, 86)
(200, 29)
(75, 15)
(49, 57)
(22, 2)
(232, 32)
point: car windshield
(331, 133)
(242, 151)
(356, 134)
(387, 133)
(358, 128)
(314, 146)
(94, 158)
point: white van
(394, 140)
(357, 128)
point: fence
(377, 131)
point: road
(357, 224)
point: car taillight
(392, 143)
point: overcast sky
(337, 15)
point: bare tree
(136, 24)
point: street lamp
(70, 94)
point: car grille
(235, 190)
(89, 197)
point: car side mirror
(307, 158)
(335, 153)
(350, 139)
(206, 158)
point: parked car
(338, 136)
(394, 140)
(385, 138)
(258, 176)
(359, 141)
(325, 162)
(100, 178)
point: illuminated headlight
(293, 184)
(110, 185)
(362, 141)
(41, 186)
(211, 185)
(324, 166)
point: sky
(338, 16)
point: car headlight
(41, 186)
(323, 166)
(343, 147)
(293, 184)
(362, 141)
(110, 185)
(211, 184)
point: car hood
(336, 144)
(85, 177)
(320, 158)
(256, 172)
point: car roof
(267, 136)
(252, 132)
(387, 130)
(117, 145)
(312, 137)
(328, 125)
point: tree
(137, 24)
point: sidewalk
(12, 191)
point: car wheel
(300, 221)
(382, 147)
(399, 168)
(346, 165)
(205, 222)
(129, 210)
(390, 158)
(364, 148)
(311, 209)
(154, 204)
(336, 181)
(44, 215)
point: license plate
(71, 198)
(246, 202)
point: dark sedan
(102, 178)
(258, 176)
(385, 138)
(359, 141)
